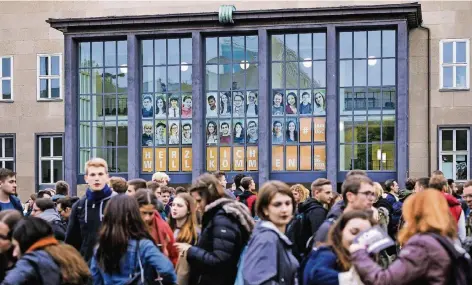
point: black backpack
(461, 263)
(300, 233)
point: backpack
(300, 234)
(461, 263)
(245, 199)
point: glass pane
(252, 48)
(97, 54)
(374, 129)
(84, 81)
(173, 51)
(211, 81)
(345, 157)
(225, 78)
(374, 72)
(97, 107)
(461, 167)
(97, 81)
(360, 44)
(57, 170)
(447, 166)
(6, 89)
(9, 165)
(110, 107)
(360, 156)
(238, 49)
(147, 79)
(9, 147)
(461, 56)
(447, 52)
(388, 44)
(374, 153)
(319, 46)
(252, 77)
(122, 107)
(55, 88)
(160, 79)
(224, 50)
(43, 66)
(122, 160)
(84, 49)
(291, 47)
(110, 134)
(388, 128)
(122, 53)
(345, 45)
(446, 140)
(345, 130)
(123, 133)
(45, 147)
(147, 52)
(238, 77)
(291, 75)
(84, 134)
(388, 72)
(360, 72)
(186, 51)
(319, 74)
(345, 73)
(55, 65)
(374, 43)
(345, 101)
(160, 54)
(461, 79)
(186, 78)
(388, 156)
(306, 78)
(46, 171)
(360, 129)
(110, 53)
(305, 47)
(97, 134)
(211, 53)
(110, 80)
(461, 139)
(6, 67)
(277, 50)
(43, 88)
(388, 100)
(122, 80)
(277, 75)
(1, 147)
(173, 78)
(57, 146)
(447, 77)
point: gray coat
(269, 259)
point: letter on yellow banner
(238, 158)
(320, 158)
(291, 158)
(319, 129)
(277, 158)
(147, 160)
(212, 159)
(305, 129)
(225, 158)
(161, 159)
(174, 159)
(252, 158)
(186, 159)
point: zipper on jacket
(93, 206)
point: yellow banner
(238, 158)
(252, 158)
(225, 158)
(305, 129)
(277, 158)
(147, 160)
(319, 129)
(161, 159)
(174, 159)
(186, 159)
(319, 158)
(291, 158)
(305, 157)
(212, 158)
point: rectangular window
(103, 100)
(49, 72)
(298, 102)
(6, 78)
(166, 105)
(454, 153)
(454, 60)
(50, 153)
(7, 152)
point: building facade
(291, 90)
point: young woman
(225, 105)
(238, 134)
(174, 137)
(277, 135)
(291, 107)
(187, 107)
(8, 220)
(157, 227)
(300, 193)
(161, 107)
(212, 133)
(269, 259)
(183, 219)
(41, 259)
(226, 227)
(422, 259)
(124, 245)
(320, 104)
(324, 264)
(291, 132)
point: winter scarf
(96, 196)
(163, 236)
(236, 209)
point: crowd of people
(147, 232)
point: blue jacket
(321, 267)
(16, 204)
(151, 258)
(34, 268)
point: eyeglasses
(368, 194)
(4, 237)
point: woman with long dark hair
(291, 134)
(183, 219)
(212, 133)
(41, 259)
(8, 220)
(161, 107)
(225, 104)
(125, 246)
(238, 133)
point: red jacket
(454, 206)
(163, 236)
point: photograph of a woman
(277, 107)
(291, 107)
(238, 133)
(147, 138)
(277, 134)
(320, 104)
(147, 110)
(305, 104)
(161, 106)
(211, 133)
(252, 132)
(174, 137)
(225, 104)
(252, 109)
(291, 134)
(187, 106)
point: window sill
(6, 101)
(453, 89)
(50, 100)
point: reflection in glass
(211, 50)
(160, 52)
(319, 74)
(84, 50)
(345, 157)
(110, 80)
(43, 88)
(6, 89)
(211, 77)
(43, 67)
(97, 134)
(447, 77)
(360, 129)
(461, 139)
(306, 77)
(319, 46)
(224, 50)
(447, 139)
(448, 52)
(147, 79)
(173, 51)
(360, 44)
(122, 157)
(55, 88)
(277, 75)
(173, 78)
(360, 156)
(345, 45)
(305, 46)
(291, 47)
(374, 72)
(291, 74)
(345, 73)
(122, 133)
(277, 131)
(252, 48)
(345, 129)
(388, 72)
(109, 102)
(122, 53)
(388, 128)
(374, 43)
(97, 54)
(186, 50)
(374, 129)
(388, 43)
(160, 77)
(461, 79)
(389, 100)
(277, 47)
(388, 156)
(55, 65)
(225, 76)
(110, 53)
(186, 78)
(461, 53)
(360, 72)
(374, 156)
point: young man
(358, 194)
(212, 110)
(187, 133)
(238, 108)
(237, 183)
(87, 214)
(392, 191)
(134, 185)
(8, 199)
(155, 187)
(252, 135)
(221, 176)
(165, 198)
(119, 185)
(225, 137)
(44, 208)
(161, 178)
(249, 196)
(421, 184)
(62, 190)
(305, 105)
(467, 195)
(64, 207)
(174, 111)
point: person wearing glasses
(238, 108)
(252, 136)
(277, 135)
(187, 133)
(251, 108)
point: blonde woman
(300, 193)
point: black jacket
(333, 214)
(215, 257)
(84, 225)
(314, 212)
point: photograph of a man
(225, 133)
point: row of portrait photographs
(167, 105)
(285, 130)
(166, 132)
(238, 133)
(295, 102)
(235, 103)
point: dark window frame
(13, 136)
(37, 160)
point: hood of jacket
(46, 268)
(92, 199)
(50, 215)
(451, 201)
(382, 202)
(235, 209)
(245, 195)
(267, 226)
(336, 211)
(403, 194)
(309, 204)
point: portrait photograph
(174, 132)
(225, 132)
(252, 109)
(225, 104)
(161, 106)
(187, 106)
(238, 132)
(277, 131)
(147, 109)
(147, 136)
(160, 135)
(305, 102)
(278, 104)
(319, 100)
(187, 132)
(211, 132)
(211, 106)
(291, 133)
(174, 109)
(252, 131)
(291, 107)
(238, 104)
